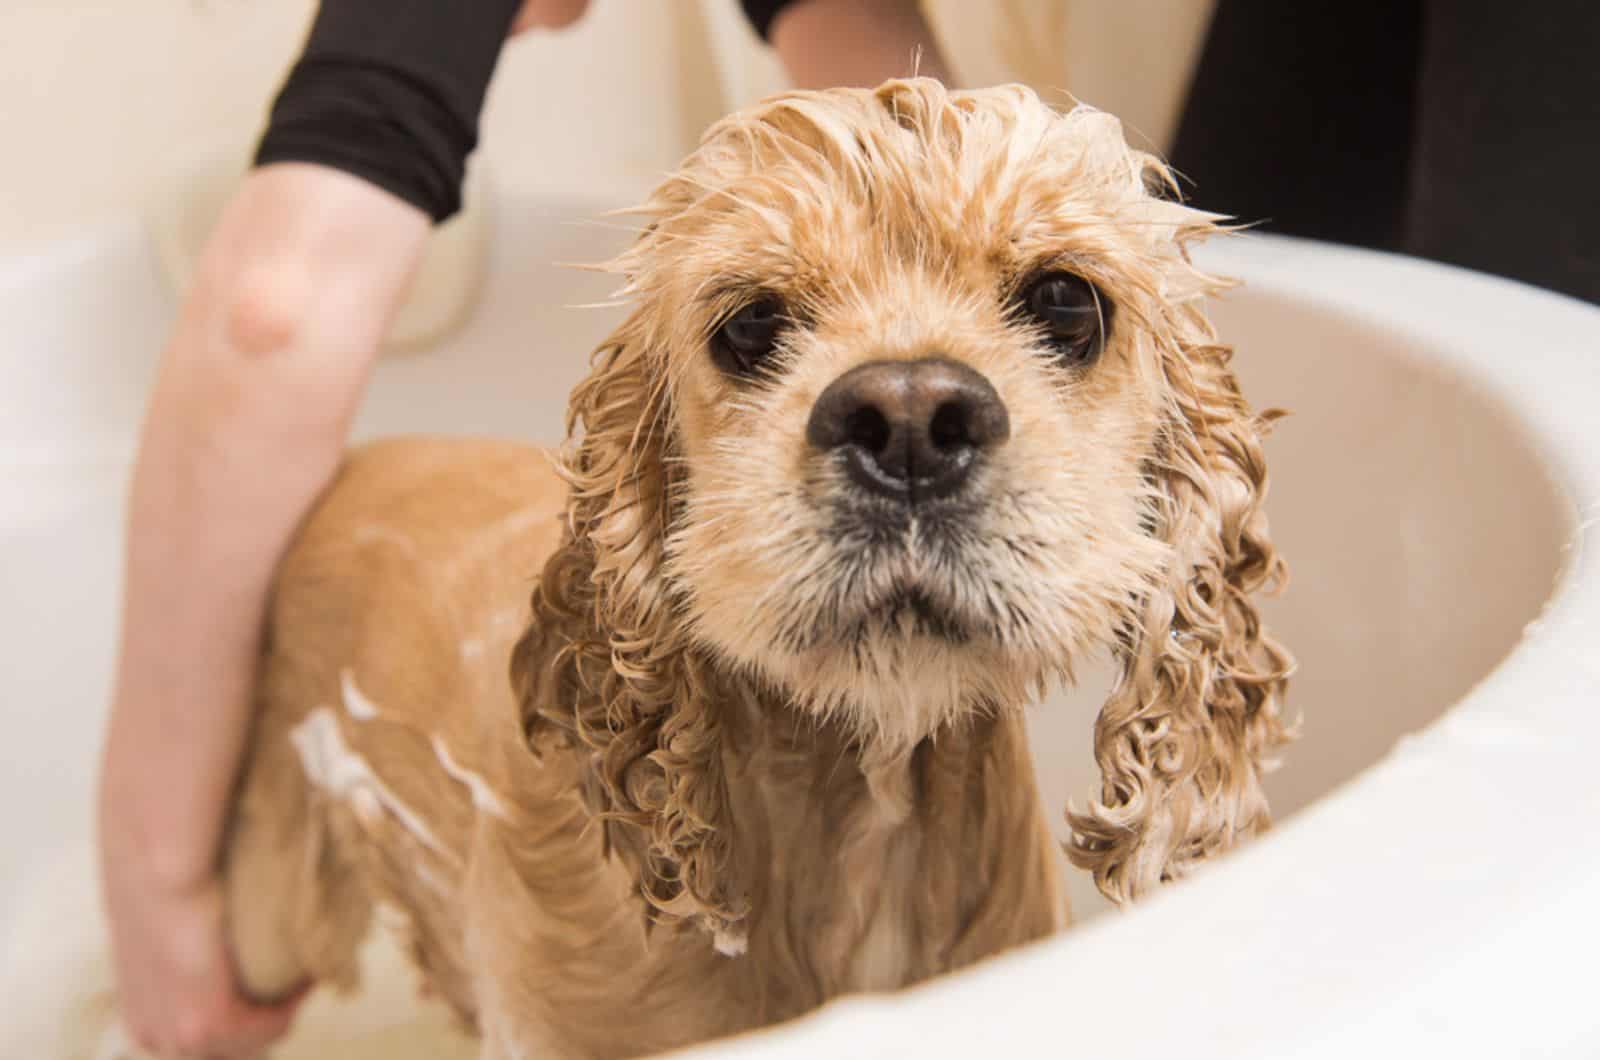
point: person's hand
(179, 995)
(548, 14)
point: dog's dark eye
(1074, 315)
(746, 339)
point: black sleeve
(390, 91)
(762, 13)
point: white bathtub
(1431, 888)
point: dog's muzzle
(910, 431)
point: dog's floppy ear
(1193, 722)
(605, 661)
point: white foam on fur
(331, 765)
(483, 796)
(730, 942)
(356, 704)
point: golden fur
(717, 791)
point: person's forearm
(855, 43)
(245, 427)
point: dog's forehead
(906, 171)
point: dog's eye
(1074, 315)
(747, 338)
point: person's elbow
(265, 309)
(270, 352)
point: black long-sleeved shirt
(391, 91)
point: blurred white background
(110, 102)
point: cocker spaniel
(916, 405)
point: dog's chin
(897, 667)
(895, 687)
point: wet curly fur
(970, 187)
(796, 720)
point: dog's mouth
(897, 574)
(904, 614)
(900, 608)
(907, 574)
(909, 612)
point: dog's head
(917, 405)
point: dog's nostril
(868, 428)
(949, 427)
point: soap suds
(483, 797)
(368, 810)
(331, 765)
(357, 705)
(730, 941)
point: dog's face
(910, 351)
(918, 402)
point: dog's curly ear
(1193, 722)
(605, 663)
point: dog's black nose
(910, 430)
